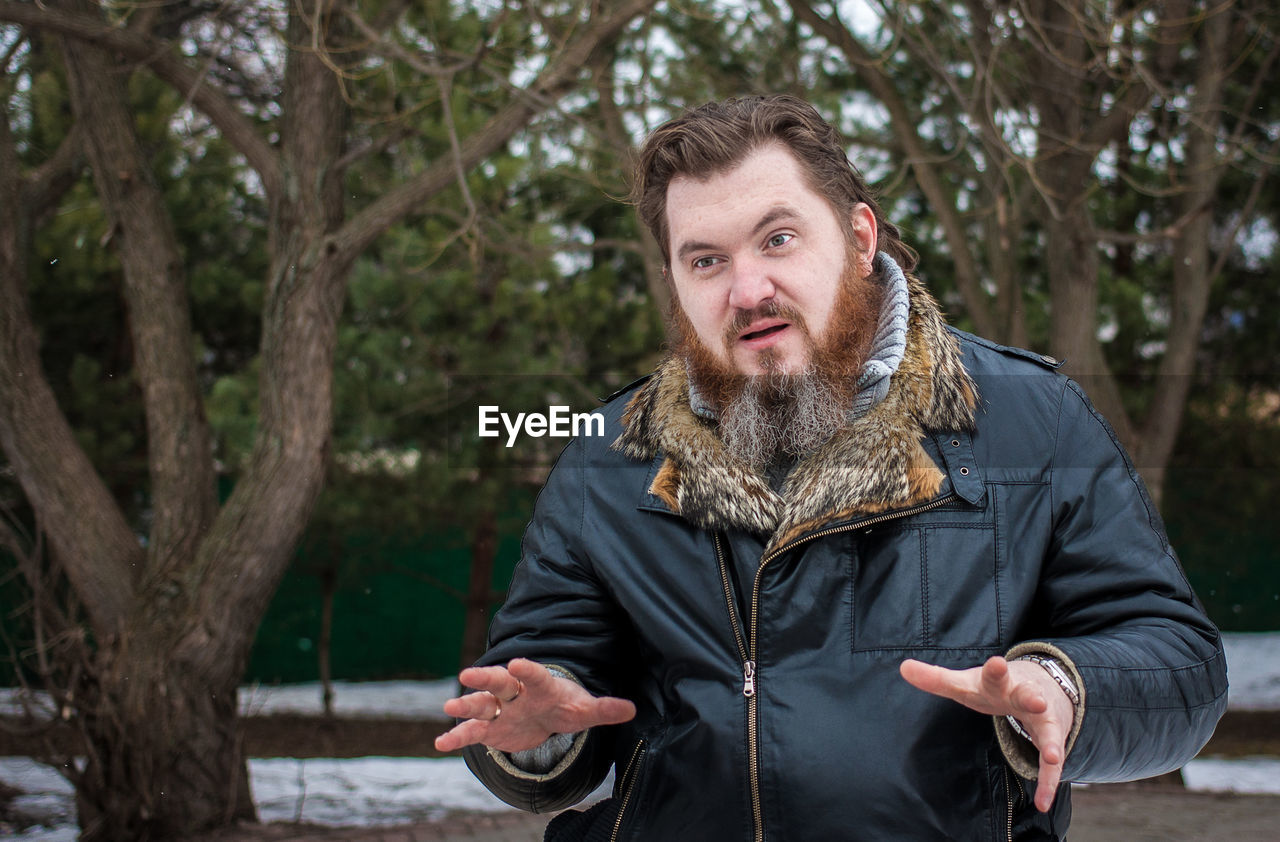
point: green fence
(1220, 522)
(397, 613)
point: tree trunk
(1002, 233)
(159, 701)
(163, 760)
(1192, 275)
(173, 625)
(484, 551)
(1071, 255)
(1067, 144)
(179, 448)
(88, 534)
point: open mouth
(760, 334)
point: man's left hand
(1000, 688)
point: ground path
(1121, 813)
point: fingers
(980, 688)
(610, 710)
(483, 705)
(992, 689)
(933, 679)
(1050, 739)
(1049, 777)
(995, 677)
(504, 683)
(518, 706)
(534, 677)
(1027, 700)
(496, 680)
(467, 733)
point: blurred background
(262, 261)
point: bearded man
(840, 572)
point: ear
(865, 233)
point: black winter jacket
(983, 508)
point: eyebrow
(774, 215)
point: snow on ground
(371, 791)
(1237, 774)
(47, 800)
(1253, 670)
(353, 792)
(381, 790)
(391, 699)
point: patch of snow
(366, 790)
(1246, 775)
(389, 699)
(354, 792)
(20, 702)
(61, 833)
(48, 802)
(1253, 670)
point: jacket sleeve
(1115, 602)
(557, 613)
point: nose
(750, 285)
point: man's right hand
(522, 704)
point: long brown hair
(717, 136)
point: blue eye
(779, 240)
(704, 263)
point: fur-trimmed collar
(874, 464)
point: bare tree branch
(376, 147)
(559, 75)
(616, 135)
(47, 183)
(160, 56)
(905, 129)
(430, 68)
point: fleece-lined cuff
(546, 761)
(1019, 751)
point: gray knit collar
(887, 348)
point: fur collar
(874, 464)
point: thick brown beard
(763, 416)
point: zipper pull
(749, 679)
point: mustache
(770, 309)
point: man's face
(757, 258)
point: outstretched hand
(522, 704)
(1018, 688)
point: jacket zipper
(747, 643)
(1008, 797)
(748, 691)
(1008, 794)
(632, 772)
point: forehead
(732, 202)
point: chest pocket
(926, 585)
